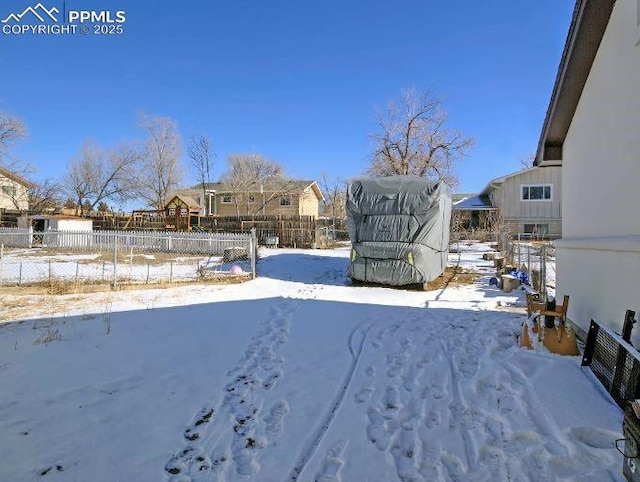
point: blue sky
(297, 81)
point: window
(9, 190)
(251, 198)
(539, 192)
(172, 211)
(285, 200)
(227, 199)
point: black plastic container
(549, 320)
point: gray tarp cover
(399, 229)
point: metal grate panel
(615, 362)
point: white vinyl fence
(120, 257)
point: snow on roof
(473, 203)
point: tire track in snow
(355, 349)
(462, 413)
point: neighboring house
(528, 202)
(291, 198)
(471, 211)
(592, 130)
(14, 191)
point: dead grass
(124, 257)
(60, 287)
(453, 276)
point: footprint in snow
(333, 462)
(364, 394)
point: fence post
(148, 264)
(254, 252)
(170, 271)
(543, 272)
(49, 272)
(115, 262)
(20, 275)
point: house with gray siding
(529, 201)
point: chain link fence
(117, 258)
(537, 259)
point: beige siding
(598, 260)
(309, 205)
(272, 207)
(517, 212)
(516, 226)
(19, 200)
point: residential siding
(514, 209)
(599, 260)
(308, 204)
(272, 207)
(21, 199)
(516, 226)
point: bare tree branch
(251, 173)
(161, 168)
(414, 139)
(97, 175)
(201, 156)
(44, 196)
(335, 191)
(12, 130)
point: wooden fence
(292, 231)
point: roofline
(16, 178)
(474, 208)
(313, 184)
(500, 180)
(588, 25)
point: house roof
(496, 182)
(274, 186)
(14, 177)
(58, 216)
(474, 203)
(459, 197)
(189, 201)
(589, 22)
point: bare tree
(252, 173)
(12, 130)
(335, 192)
(161, 168)
(414, 139)
(44, 196)
(526, 162)
(201, 156)
(98, 175)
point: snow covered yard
(31, 266)
(295, 376)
